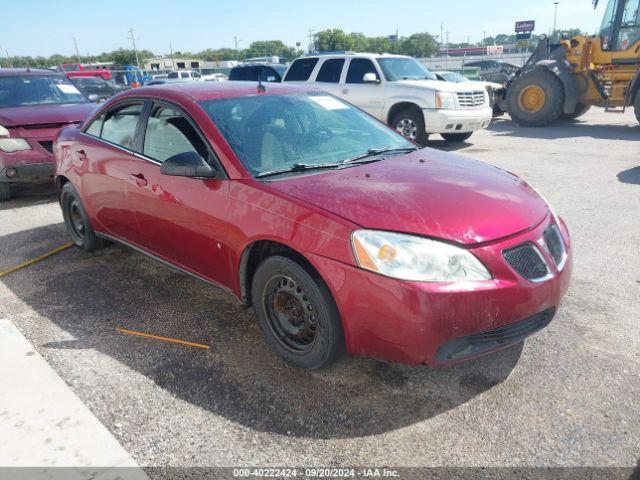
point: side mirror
(370, 78)
(187, 164)
(94, 97)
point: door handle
(139, 179)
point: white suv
(399, 91)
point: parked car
(266, 72)
(496, 71)
(34, 105)
(187, 75)
(399, 91)
(96, 89)
(215, 77)
(341, 233)
(80, 70)
(130, 76)
(492, 88)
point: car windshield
(275, 132)
(453, 77)
(404, 69)
(19, 91)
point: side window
(253, 73)
(169, 133)
(358, 68)
(120, 124)
(330, 71)
(300, 70)
(629, 26)
(238, 74)
(95, 128)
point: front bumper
(27, 173)
(415, 322)
(457, 121)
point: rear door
(181, 220)
(105, 160)
(329, 75)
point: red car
(75, 70)
(34, 106)
(343, 236)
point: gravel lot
(569, 396)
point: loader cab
(621, 25)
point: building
(161, 63)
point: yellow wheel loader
(563, 81)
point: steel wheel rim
(290, 314)
(75, 218)
(532, 99)
(408, 128)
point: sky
(45, 27)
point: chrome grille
(471, 99)
(527, 261)
(553, 240)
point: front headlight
(3, 132)
(407, 257)
(10, 145)
(446, 100)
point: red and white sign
(495, 49)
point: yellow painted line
(36, 260)
(164, 339)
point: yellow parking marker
(37, 259)
(164, 339)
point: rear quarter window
(330, 71)
(300, 70)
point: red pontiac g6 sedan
(343, 236)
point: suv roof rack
(337, 52)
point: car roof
(28, 71)
(352, 54)
(247, 65)
(199, 91)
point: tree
(269, 48)
(332, 40)
(420, 45)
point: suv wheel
(410, 123)
(456, 137)
(296, 314)
(5, 191)
(76, 220)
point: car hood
(426, 193)
(437, 85)
(45, 114)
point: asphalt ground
(568, 397)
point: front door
(368, 96)
(180, 219)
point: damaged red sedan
(34, 105)
(343, 236)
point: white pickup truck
(399, 91)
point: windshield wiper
(299, 167)
(374, 152)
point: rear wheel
(410, 123)
(296, 314)
(580, 110)
(456, 137)
(636, 106)
(535, 98)
(5, 192)
(76, 220)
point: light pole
(135, 50)
(555, 16)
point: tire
(456, 137)
(636, 106)
(297, 314)
(580, 110)
(409, 122)
(76, 220)
(536, 98)
(5, 192)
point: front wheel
(456, 137)
(410, 123)
(296, 314)
(76, 220)
(5, 192)
(536, 98)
